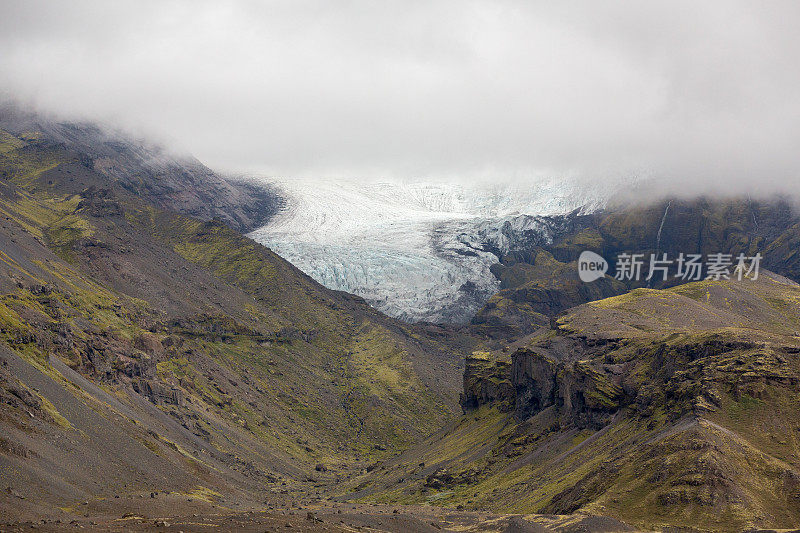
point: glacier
(418, 251)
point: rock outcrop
(679, 404)
(487, 381)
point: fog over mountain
(698, 95)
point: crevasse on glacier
(416, 251)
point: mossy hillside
(377, 363)
(51, 219)
(487, 381)
(600, 392)
(12, 327)
(302, 408)
(319, 376)
(691, 226)
(705, 475)
(56, 298)
(239, 261)
(55, 311)
(331, 400)
(704, 226)
(366, 356)
(459, 445)
(743, 308)
(493, 448)
(268, 422)
(303, 401)
(703, 425)
(782, 252)
(33, 204)
(535, 290)
(644, 468)
(93, 304)
(24, 158)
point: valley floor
(177, 513)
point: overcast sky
(705, 91)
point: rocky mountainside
(660, 407)
(144, 350)
(179, 183)
(538, 277)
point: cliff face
(487, 381)
(582, 393)
(612, 355)
(565, 373)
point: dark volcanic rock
(487, 382)
(583, 393)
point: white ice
(409, 248)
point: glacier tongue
(416, 251)
(406, 285)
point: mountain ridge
(180, 183)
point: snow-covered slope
(417, 251)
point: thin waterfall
(658, 236)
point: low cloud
(698, 96)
